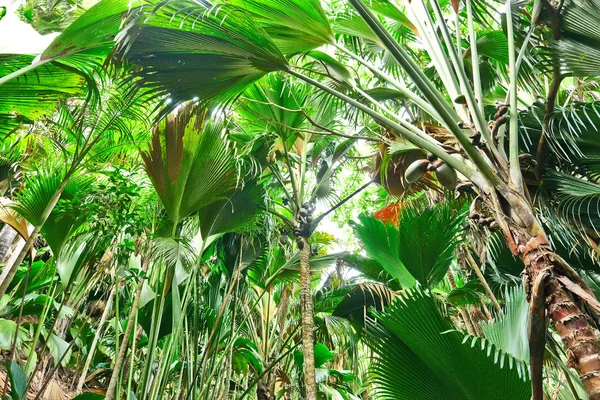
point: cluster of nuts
(483, 221)
(444, 173)
(304, 223)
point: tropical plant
(159, 155)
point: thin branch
(330, 132)
(341, 203)
(557, 78)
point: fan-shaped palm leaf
(184, 51)
(189, 162)
(238, 212)
(360, 301)
(508, 331)
(85, 44)
(422, 246)
(572, 134)
(420, 356)
(274, 104)
(577, 200)
(578, 49)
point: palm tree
(279, 31)
(420, 80)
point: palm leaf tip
(296, 26)
(182, 51)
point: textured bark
(307, 322)
(261, 391)
(536, 334)
(570, 320)
(7, 237)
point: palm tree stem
(433, 95)
(110, 392)
(92, 350)
(557, 79)
(474, 58)
(310, 385)
(413, 97)
(516, 177)
(7, 237)
(483, 281)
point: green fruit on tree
(415, 170)
(446, 175)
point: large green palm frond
(380, 241)
(85, 44)
(371, 270)
(183, 51)
(578, 49)
(361, 298)
(575, 199)
(239, 211)
(421, 248)
(572, 134)
(34, 94)
(296, 26)
(420, 356)
(266, 266)
(569, 192)
(190, 162)
(502, 268)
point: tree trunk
(261, 391)
(114, 378)
(7, 237)
(570, 320)
(307, 321)
(88, 360)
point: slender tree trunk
(482, 279)
(114, 378)
(307, 322)
(7, 237)
(10, 270)
(463, 311)
(282, 311)
(90, 356)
